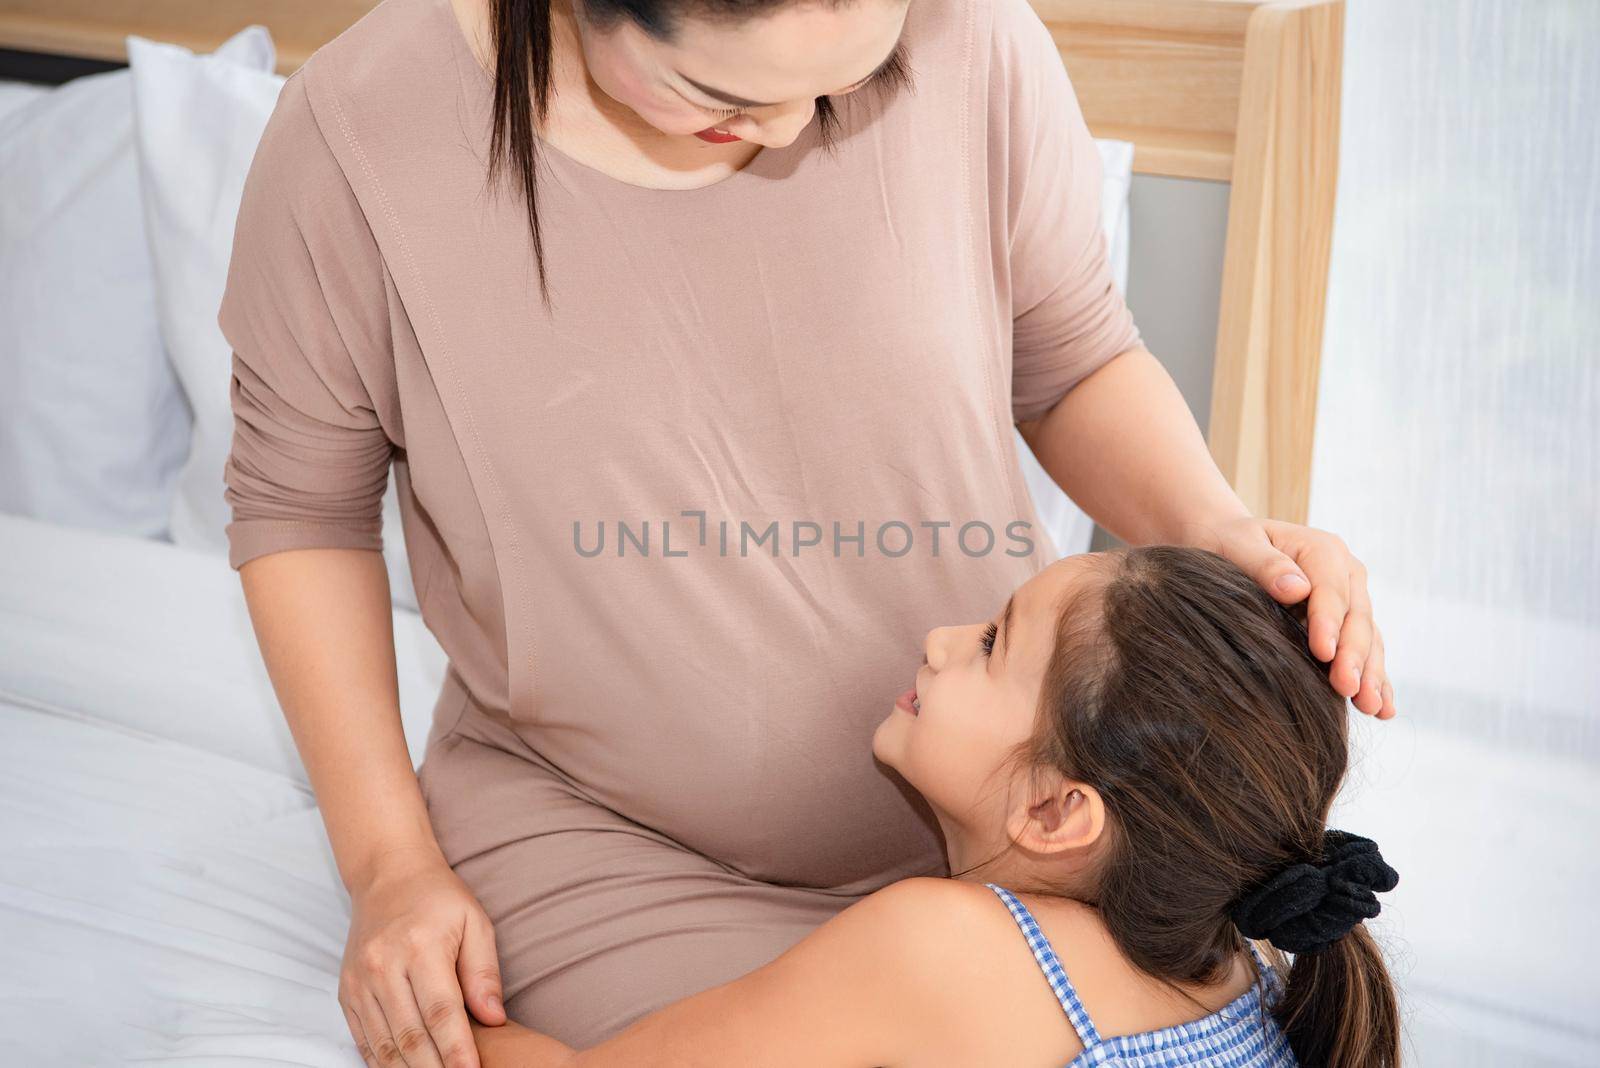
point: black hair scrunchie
(1305, 908)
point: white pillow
(14, 94)
(199, 119)
(169, 639)
(1116, 158)
(1069, 527)
(93, 426)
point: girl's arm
(510, 1045)
(514, 1046)
(863, 988)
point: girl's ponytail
(1338, 1009)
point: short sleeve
(305, 313)
(1068, 317)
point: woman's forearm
(1125, 447)
(323, 620)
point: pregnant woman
(695, 332)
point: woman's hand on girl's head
(1339, 615)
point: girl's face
(977, 696)
(757, 79)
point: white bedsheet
(167, 893)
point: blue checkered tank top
(1241, 1034)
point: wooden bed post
(1280, 231)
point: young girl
(1133, 764)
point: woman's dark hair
(522, 58)
(1190, 699)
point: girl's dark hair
(1190, 699)
(522, 51)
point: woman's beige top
(811, 340)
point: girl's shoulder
(1115, 994)
(979, 994)
(958, 897)
(983, 991)
(976, 906)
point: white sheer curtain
(1458, 452)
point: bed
(167, 894)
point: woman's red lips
(710, 134)
(907, 701)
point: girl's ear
(1072, 816)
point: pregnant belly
(784, 791)
(729, 702)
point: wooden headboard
(1237, 91)
(1247, 92)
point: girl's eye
(722, 111)
(987, 641)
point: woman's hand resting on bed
(421, 952)
(1339, 615)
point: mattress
(167, 893)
